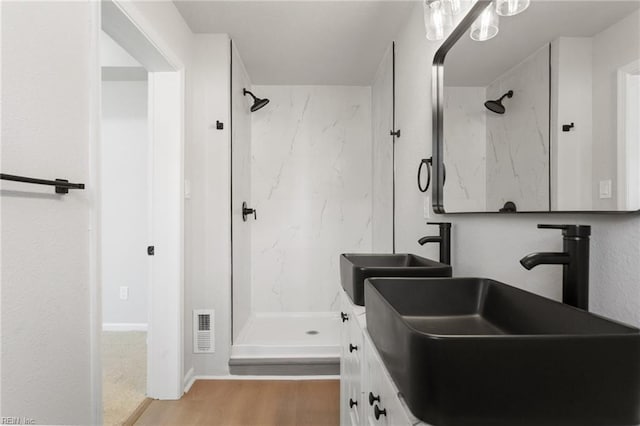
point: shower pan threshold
(288, 343)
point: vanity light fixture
(485, 26)
(435, 19)
(451, 7)
(511, 7)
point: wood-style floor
(250, 402)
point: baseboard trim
(266, 377)
(137, 413)
(124, 326)
(189, 378)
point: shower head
(496, 106)
(257, 102)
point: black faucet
(444, 239)
(575, 261)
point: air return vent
(203, 331)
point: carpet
(124, 374)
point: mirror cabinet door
(545, 115)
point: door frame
(165, 352)
(624, 73)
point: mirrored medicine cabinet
(542, 117)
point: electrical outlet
(124, 293)
(605, 188)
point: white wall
(571, 102)
(125, 192)
(413, 117)
(490, 244)
(382, 169)
(46, 363)
(518, 140)
(311, 185)
(613, 48)
(240, 191)
(465, 130)
(207, 213)
(50, 83)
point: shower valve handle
(373, 398)
(379, 413)
(247, 211)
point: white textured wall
(571, 102)
(613, 48)
(46, 369)
(491, 245)
(382, 170)
(413, 117)
(311, 184)
(518, 140)
(240, 191)
(207, 213)
(125, 192)
(465, 130)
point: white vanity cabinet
(383, 406)
(351, 361)
(368, 395)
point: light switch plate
(605, 188)
(124, 293)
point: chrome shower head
(257, 102)
(496, 106)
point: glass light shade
(435, 21)
(511, 7)
(451, 7)
(486, 26)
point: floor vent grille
(203, 331)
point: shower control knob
(344, 316)
(378, 412)
(247, 211)
(352, 403)
(373, 398)
(352, 347)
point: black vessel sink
(471, 351)
(355, 268)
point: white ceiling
(472, 63)
(304, 42)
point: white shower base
(286, 335)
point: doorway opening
(139, 226)
(125, 201)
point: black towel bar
(62, 185)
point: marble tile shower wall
(311, 185)
(382, 113)
(241, 191)
(518, 141)
(465, 148)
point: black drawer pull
(352, 403)
(373, 398)
(344, 316)
(352, 347)
(378, 412)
